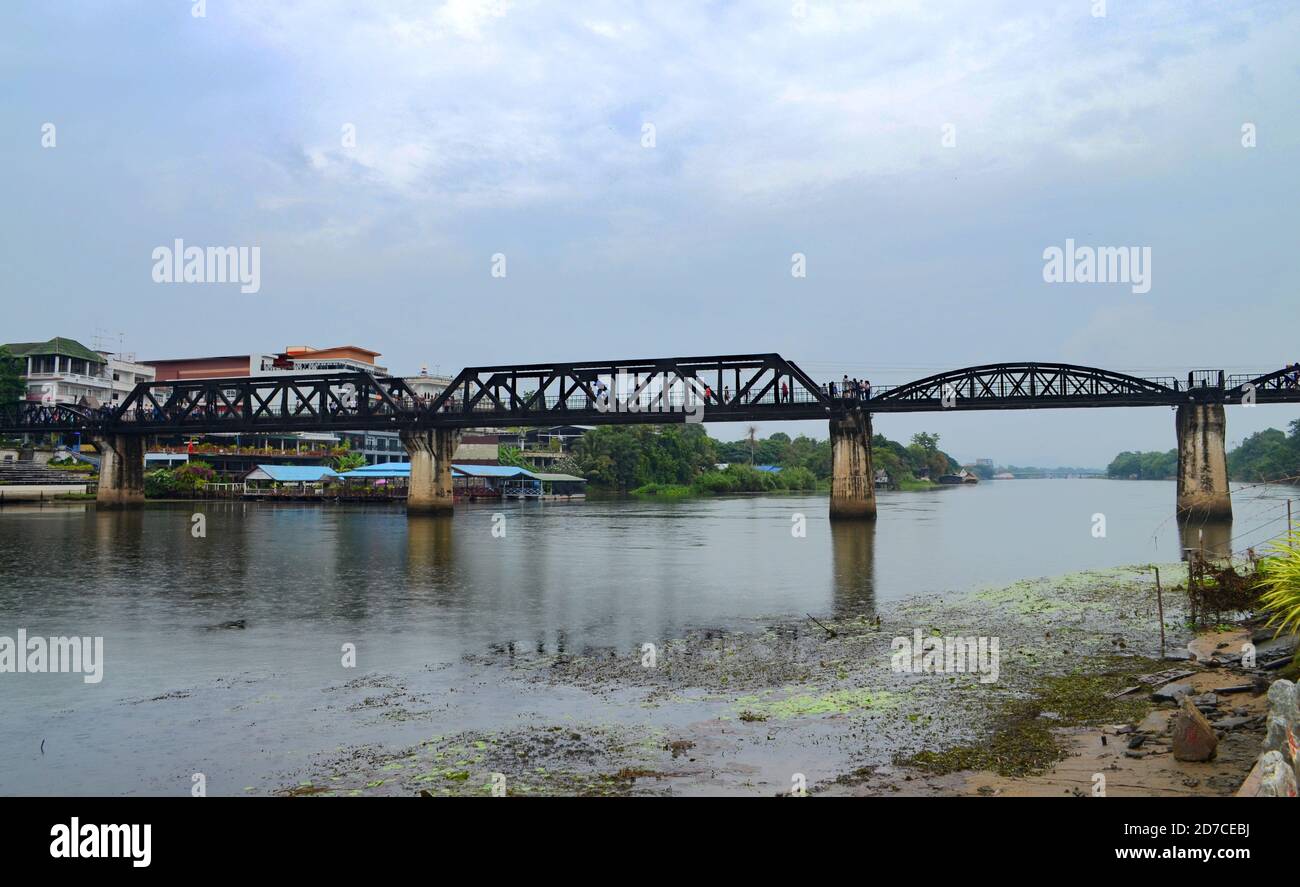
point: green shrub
(158, 484)
(664, 491)
(797, 479)
(1279, 582)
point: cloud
(487, 104)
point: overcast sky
(519, 128)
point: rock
(1282, 645)
(1178, 656)
(1156, 722)
(1194, 738)
(1205, 699)
(1164, 677)
(1231, 723)
(1171, 692)
(1136, 740)
(1135, 754)
(1283, 714)
(1272, 777)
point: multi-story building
(226, 366)
(63, 371)
(375, 446)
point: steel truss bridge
(737, 388)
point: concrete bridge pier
(1202, 462)
(853, 488)
(430, 453)
(121, 470)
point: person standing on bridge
(785, 391)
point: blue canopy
(291, 474)
(403, 469)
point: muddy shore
(819, 702)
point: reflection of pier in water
(853, 553)
(429, 544)
(1213, 538)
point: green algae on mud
(797, 705)
(552, 760)
(1074, 592)
(1023, 742)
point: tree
(13, 386)
(929, 443)
(349, 462)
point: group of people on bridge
(848, 390)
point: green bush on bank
(734, 479)
(187, 480)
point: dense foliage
(187, 480)
(664, 460)
(1144, 466)
(12, 384)
(624, 457)
(1269, 455)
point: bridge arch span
(1026, 386)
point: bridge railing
(648, 401)
(1285, 380)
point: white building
(63, 371)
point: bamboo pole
(1160, 607)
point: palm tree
(751, 434)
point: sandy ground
(1150, 771)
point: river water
(223, 655)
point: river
(223, 654)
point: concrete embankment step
(35, 473)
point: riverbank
(821, 702)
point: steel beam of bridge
(736, 388)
